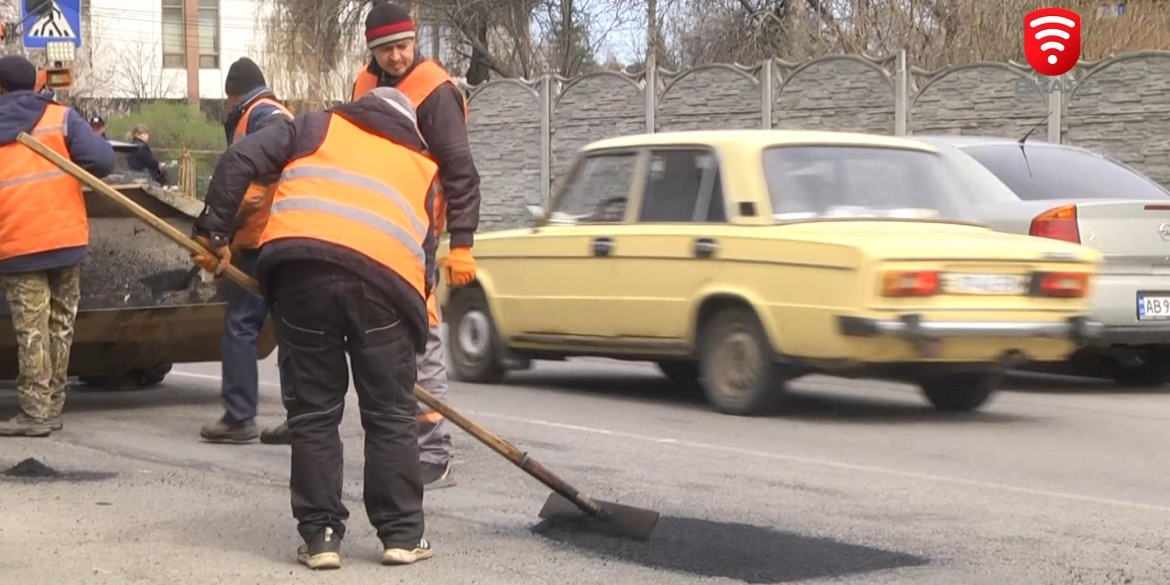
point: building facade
(181, 49)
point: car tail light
(910, 283)
(1067, 285)
(1058, 223)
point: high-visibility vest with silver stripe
(41, 207)
(361, 192)
(248, 231)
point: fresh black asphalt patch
(751, 554)
(32, 470)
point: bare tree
(934, 33)
(137, 72)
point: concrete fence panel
(710, 97)
(505, 134)
(590, 108)
(1121, 106)
(847, 93)
(978, 99)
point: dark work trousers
(322, 313)
(245, 318)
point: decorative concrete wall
(524, 134)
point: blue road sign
(62, 23)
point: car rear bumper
(1115, 305)
(913, 328)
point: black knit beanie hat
(17, 73)
(243, 76)
(388, 22)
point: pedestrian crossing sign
(48, 21)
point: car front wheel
(737, 366)
(475, 347)
(961, 392)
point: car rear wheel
(737, 367)
(1151, 368)
(961, 392)
(475, 347)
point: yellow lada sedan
(738, 260)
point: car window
(861, 181)
(682, 186)
(1051, 172)
(597, 191)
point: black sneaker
(436, 477)
(404, 556)
(276, 436)
(228, 431)
(324, 552)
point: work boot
(23, 425)
(225, 430)
(402, 556)
(323, 552)
(436, 476)
(276, 436)
(55, 423)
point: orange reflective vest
(417, 86)
(251, 225)
(41, 207)
(360, 192)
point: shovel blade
(614, 520)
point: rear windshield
(1051, 172)
(860, 181)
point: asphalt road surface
(1056, 482)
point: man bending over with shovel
(347, 259)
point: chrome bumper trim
(914, 328)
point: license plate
(984, 284)
(1153, 307)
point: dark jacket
(441, 122)
(266, 153)
(143, 160)
(19, 112)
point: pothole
(34, 471)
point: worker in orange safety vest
(442, 121)
(253, 108)
(44, 236)
(347, 259)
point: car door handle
(602, 246)
(705, 247)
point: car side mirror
(538, 215)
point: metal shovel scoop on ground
(565, 506)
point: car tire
(737, 365)
(961, 392)
(475, 347)
(1153, 370)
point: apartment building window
(174, 35)
(209, 34)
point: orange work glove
(211, 263)
(459, 267)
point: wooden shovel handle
(235, 274)
(519, 459)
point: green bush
(172, 126)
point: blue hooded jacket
(19, 112)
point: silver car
(1069, 193)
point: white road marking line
(793, 458)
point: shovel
(565, 505)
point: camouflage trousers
(44, 307)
